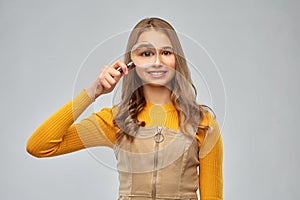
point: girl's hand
(107, 79)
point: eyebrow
(167, 48)
(144, 45)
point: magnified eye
(147, 53)
(143, 54)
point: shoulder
(105, 119)
(211, 121)
(107, 113)
(106, 116)
(207, 118)
(208, 137)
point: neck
(157, 95)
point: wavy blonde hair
(183, 92)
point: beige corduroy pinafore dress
(160, 163)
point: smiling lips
(157, 74)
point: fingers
(114, 70)
(107, 79)
(119, 64)
(109, 76)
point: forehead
(156, 38)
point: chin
(158, 84)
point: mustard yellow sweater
(60, 135)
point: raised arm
(59, 135)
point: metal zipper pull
(158, 137)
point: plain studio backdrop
(255, 49)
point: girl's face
(163, 69)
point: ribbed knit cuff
(80, 103)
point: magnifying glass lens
(143, 54)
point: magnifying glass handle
(128, 65)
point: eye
(147, 53)
(166, 53)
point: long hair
(183, 92)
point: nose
(158, 59)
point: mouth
(157, 73)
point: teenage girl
(167, 146)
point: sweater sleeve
(211, 161)
(60, 135)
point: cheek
(139, 72)
(171, 62)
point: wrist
(91, 93)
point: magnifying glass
(143, 54)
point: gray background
(254, 43)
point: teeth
(156, 73)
